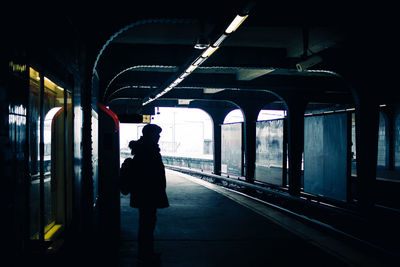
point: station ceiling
(143, 47)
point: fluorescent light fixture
(146, 102)
(235, 23)
(212, 90)
(383, 105)
(183, 75)
(199, 61)
(177, 81)
(191, 68)
(220, 40)
(208, 52)
(184, 101)
(308, 63)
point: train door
(50, 157)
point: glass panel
(269, 151)
(381, 161)
(34, 154)
(231, 150)
(325, 156)
(53, 105)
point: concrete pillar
(295, 134)
(250, 118)
(217, 146)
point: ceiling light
(220, 40)
(209, 51)
(199, 61)
(201, 44)
(308, 63)
(184, 101)
(177, 81)
(235, 24)
(191, 68)
(212, 90)
(183, 75)
(147, 101)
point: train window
(269, 151)
(53, 105)
(48, 166)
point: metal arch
(240, 89)
(199, 70)
(124, 88)
(339, 76)
(141, 22)
(133, 68)
(233, 69)
(225, 88)
(130, 26)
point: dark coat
(150, 183)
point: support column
(295, 134)
(86, 184)
(367, 126)
(250, 119)
(217, 145)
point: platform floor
(208, 225)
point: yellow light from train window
(49, 84)
(53, 232)
(33, 74)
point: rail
(231, 180)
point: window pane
(53, 154)
(269, 151)
(381, 161)
(231, 149)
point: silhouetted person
(148, 192)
